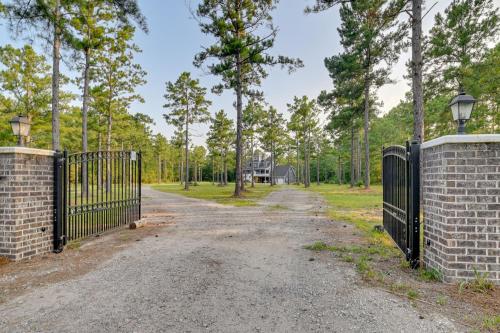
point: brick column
(461, 204)
(26, 202)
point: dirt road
(221, 269)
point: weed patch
(442, 300)
(74, 245)
(480, 283)
(491, 323)
(431, 274)
(412, 294)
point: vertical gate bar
(113, 179)
(65, 193)
(58, 201)
(140, 185)
(107, 193)
(87, 210)
(414, 207)
(82, 214)
(91, 204)
(68, 182)
(128, 184)
(407, 199)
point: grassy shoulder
(219, 194)
(357, 206)
(381, 263)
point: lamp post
(461, 107)
(21, 128)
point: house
(262, 171)
(284, 174)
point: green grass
(491, 323)
(219, 194)
(412, 294)
(480, 283)
(357, 206)
(431, 274)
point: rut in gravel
(221, 269)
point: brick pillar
(26, 202)
(461, 204)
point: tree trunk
(182, 170)
(317, 169)
(298, 162)
(225, 170)
(366, 128)
(108, 150)
(159, 169)
(242, 162)
(84, 119)
(56, 56)
(213, 170)
(339, 171)
(99, 157)
(253, 166)
(186, 149)
(352, 156)
(272, 164)
(416, 56)
(195, 173)
(358, 154)
(239, 126)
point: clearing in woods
(219, 268)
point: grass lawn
(219, 194)
(358, 206)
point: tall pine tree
(244, 34)
(187, 105)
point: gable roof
(282, 170)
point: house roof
(282, 170)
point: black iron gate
(401, 188)
(95, 191)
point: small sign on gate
(133, 156)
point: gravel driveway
(221, 269)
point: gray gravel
(221, 269)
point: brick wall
(461, 204)
(26, 202)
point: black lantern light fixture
(461, 107)
(21, 128)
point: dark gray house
(283, 174)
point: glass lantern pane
(455, 110)
(25, 129)
(466, 110)
(15, 128)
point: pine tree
(370, 32)
(458, 39)
(187, 105)
(304, 121)
(220, 138)
(24, 14)
(244, 34)
(272, 136)
(25, 84)
(252, 116)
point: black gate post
(139, 161)
(59, 170)
(413, 215)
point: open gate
(95, 192)
(401, 195)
